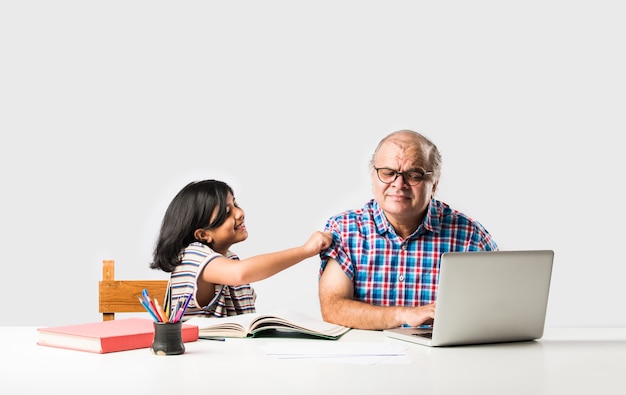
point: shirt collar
(431, 221)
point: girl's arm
(229, 272)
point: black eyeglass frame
(405, 175)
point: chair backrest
(121, 296)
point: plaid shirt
(390, 271)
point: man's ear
(203, 235)
(435, 185)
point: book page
(290, 319)
(231, 326)
(249, 324)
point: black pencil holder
(168, 338)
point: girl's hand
(318, 242)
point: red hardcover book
(107, 336)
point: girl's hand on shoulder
(318, 242)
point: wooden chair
(121, 296)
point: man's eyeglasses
(411, 177)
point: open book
(255, 324)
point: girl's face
(232, 231)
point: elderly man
(382, 268)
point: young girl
(200, 225)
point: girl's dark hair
(190, 209)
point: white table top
(564, 361)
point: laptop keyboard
(428, 335)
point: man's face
(401, 202)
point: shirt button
(401, 277)
(403, 247)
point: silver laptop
(487, 297)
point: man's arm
(336, 295)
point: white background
(108, 108)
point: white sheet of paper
(339, 352)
